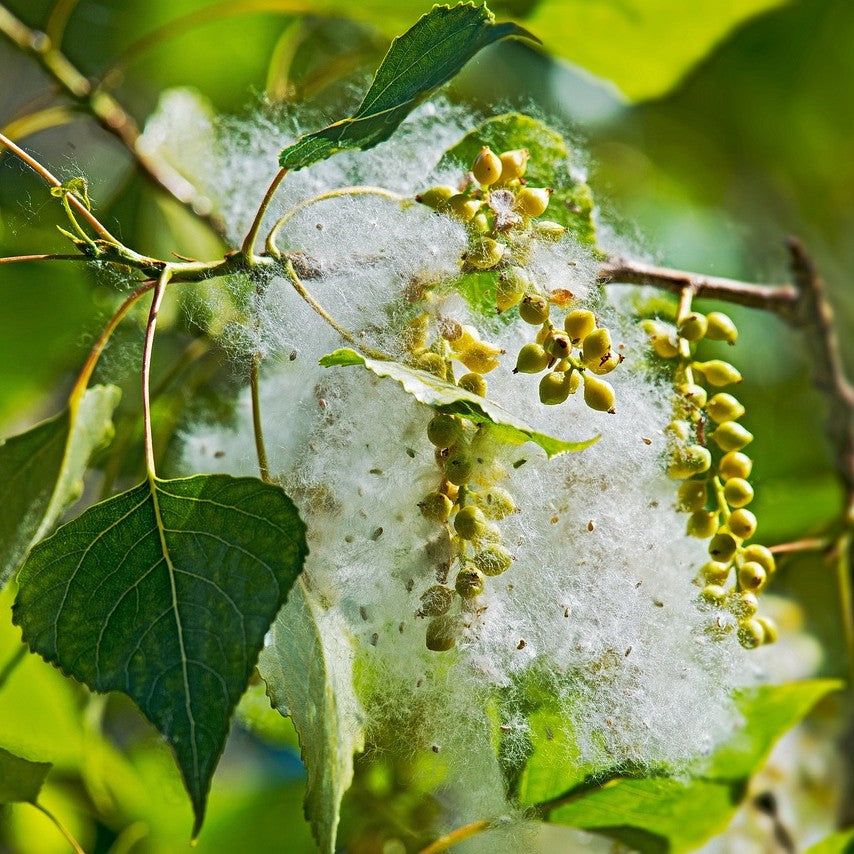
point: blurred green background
(717, 134)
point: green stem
(248, 247)
(58, 20)
(719, 497)
(260, 447)
(159, 290)
(89, 365)
(846, 598)
(59, 826)
(345, 333)
(455, 837)
(342, 192)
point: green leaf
(662, 813)
(308, 668)
(41, 472)
(841, 842)
(571, 203)
(424, 58)
(165, 593)
(444, 397)
(20, 779)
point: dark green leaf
(20, 779)
(424, 58)
(444, 397)
(165, 593)
(571, 203)
(41, 472)
(308, 668)
(670, 814)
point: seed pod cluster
(467, 503)
(707, 444)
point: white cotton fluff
(599, 601)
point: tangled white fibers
(598, 608)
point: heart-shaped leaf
(451, 399)
(308, 668)
(424, 58)
(41, 471)
(165, 593)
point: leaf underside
(165, 593)
(424, 58)
(450, 399)
(41, 472)
(20, 779)
(308, 668)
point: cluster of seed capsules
(503, 217)
(707, 455)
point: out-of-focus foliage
(754, 142)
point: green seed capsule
(480, 357)
(473, 383)
(742, 523)
(578, 324)
(486, 254)
(598, 394)
(469, 522)
(714, 594)
(702, 524)
(679, 430)
(493, 560)
(557, 344)
(724, 407)
(534, 309)
(692, 327)
(495, 502)
(436, 196)
(442, 633)
(691, 496)
(688, 461)
(751, 633)
(605, 365)
(415, 334)
(469, 583)
(545, 229)
(751, 576)
(770, 628)
(444, 430)
(459, 465)
(531, 360)
(722, 547)
(481, 223)
(718, 373)
(555, 388)
(732, 436)
(436, 600)
(462, 207)
(486, 167)
(744, 604)
(761, 555)
(436, 507)
(512, 285)
(693, 394)
(664, 346)
(715, 572)
(513, 164)
(532, 201)
(720, 327)
(738, 492)
(735, 464)
(596, 345)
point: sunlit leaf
(444, 397)
(425, 57)
(664, 813)
(20, 779)
(165, 593)
(41, 472)
(308, 668)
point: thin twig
(248, 246)
(257, 429)
(20, 259)
(108, 112)
(59, 826)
